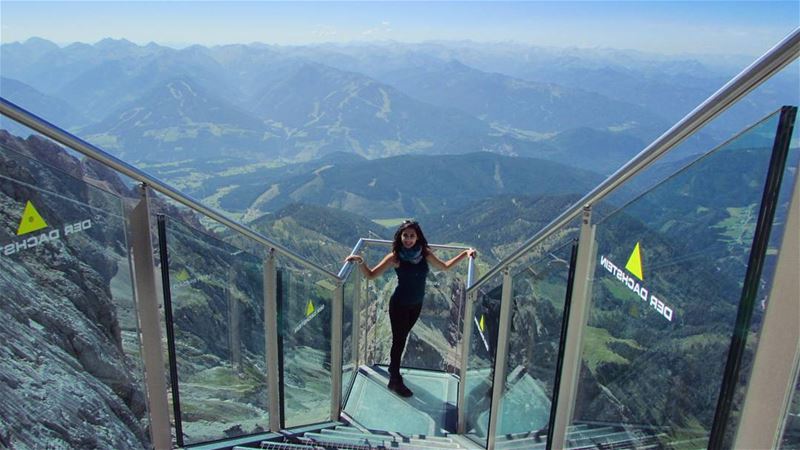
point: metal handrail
(67, 139)
(751, 77)
(347, 267)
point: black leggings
(402, 318)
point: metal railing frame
(347, 270)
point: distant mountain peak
(37, 41)
(114, 43)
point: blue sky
(659, 26)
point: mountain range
(410, 185)
(257, 102)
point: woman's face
(408, 237)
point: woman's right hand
(358, 259)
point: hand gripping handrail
(751, 77)
(347, 267)
(65, 138)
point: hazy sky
(662, 26)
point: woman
(410, 257)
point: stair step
(322, 439)
(431, 443)
(390, 434)
(525, 443)
(359, 443)
(267, 445)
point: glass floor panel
(430, 411)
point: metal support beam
(778, 353)
(466, 335)
(271, 341)
(336, 351)
(234, 323)
(579, 311)
(501, 356)
(150, 323)
(356, 327)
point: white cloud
(383, 29)
(324, 32)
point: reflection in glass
(71, 353)
(667, 284)
(217, 301)
(305, 299)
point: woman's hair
(397, 243)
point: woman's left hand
(471, 253)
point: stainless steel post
(771, 385)
(149, 320)
(271, 341)
(465, 343)
(499, 381)
(336, 351)
(579, 311)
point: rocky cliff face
(69, 370)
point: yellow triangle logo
(31, 220)
(482, 323)
(634, 265)
(309, 308)
(183, 275)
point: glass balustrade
(668, 280)
(479, 374)
(433, 342)
(216, 307)
(539, 292)
(375, 306)
(305, 304)
(70, 358)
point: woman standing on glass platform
(410, 257)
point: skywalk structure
(662, 310)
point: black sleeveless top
(411, 278)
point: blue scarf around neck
(411, 255)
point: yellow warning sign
(309, 308)
(634, 264)
(31, 220)
(183, 275)
(482, 323)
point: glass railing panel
(791, 427)
(434, 339)
(480, 360)
(217, 309)
(539, 291)
(305, 301)
(71, 361)
(348, 337)
(375, 306)
(668, 279)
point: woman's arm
(370, 274)
(442, 265)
